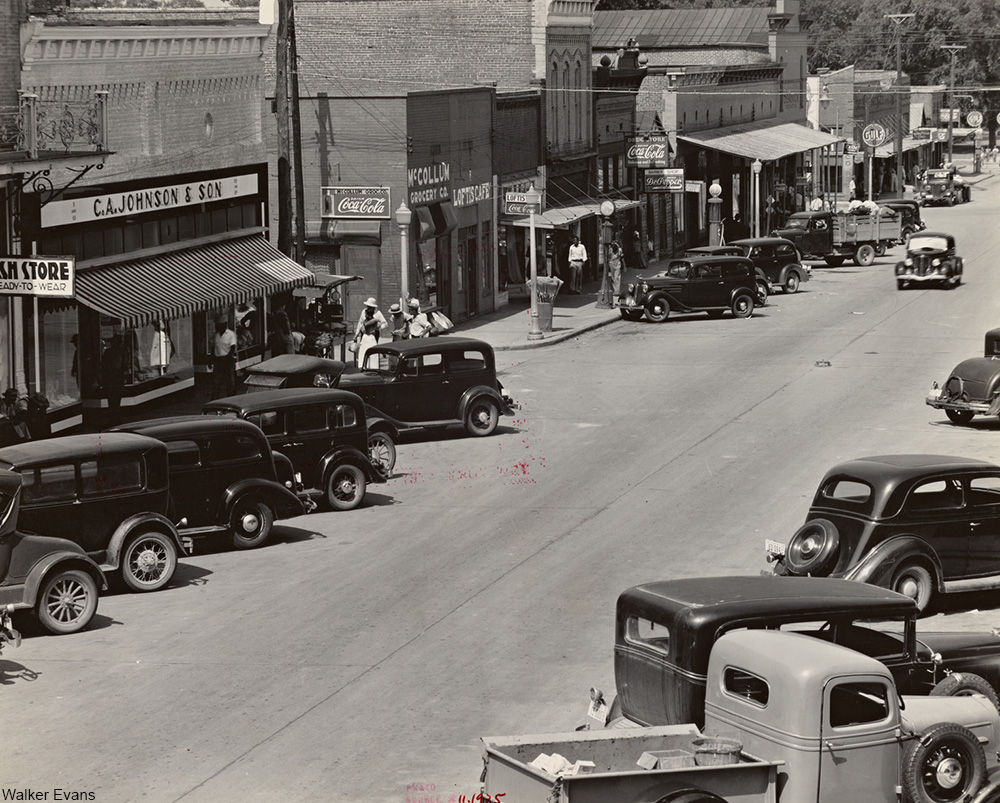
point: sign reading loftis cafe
(360, 203)
(149, 199)
(50, 277)
(649, 150)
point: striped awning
(183, 282)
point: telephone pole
(300, 205)
(281, 118)
(951, 101)
(900, 174)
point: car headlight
(644, 288)
(899, 268)
(935, 263)
(908, 262)
(631, 288)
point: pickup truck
(835, 236)
(943, 186)
(808, 722)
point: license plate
(598, 711)
(774, 547)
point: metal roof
(681, 27)
(761, 140)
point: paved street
(474, 595)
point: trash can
(545, 316)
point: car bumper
(928, 278)
(975, 407)
(510, 405)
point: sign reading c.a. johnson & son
(362, 203)
(649, 150)
(49, 277)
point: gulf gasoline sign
(50, 277)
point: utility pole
(300, 204)
(281, 116)
(900, 174)
(951, 102)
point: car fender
(959, 265)
(378, 422)
(58, 561)
(153, 521)
(742, 291)
(474, 393)
(284, 501)
(656, 293)
(878, 565)
(352, 456)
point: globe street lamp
(756, 166)
(606, 299)
(533, 199)
(403, 218)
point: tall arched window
(553, 103)
(566, 119)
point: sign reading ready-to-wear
(517, 203)
(650, 150)
(51, 277)
(365, 203)
(666, 179)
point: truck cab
(812, 232)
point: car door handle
(975, 523)
(293, 444)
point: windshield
(380, 361)
(797, 223)
(918, 243)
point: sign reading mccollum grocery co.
(37, 276)
(149, 199)
(429, 184)
(649, 150)
(364, 203)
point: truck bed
(865, 228)
(617, 776)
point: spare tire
(962, 684)
(945, 763)
(813, 548)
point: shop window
(249, 326)
(110, 477)
(132, 237)
(162, 348)
(93, 244)
(49, 483)
(58, 338)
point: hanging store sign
(152, 199)
(667, 179)
(47, 277)
(356, 203)
(650, 150)
(520, 203)
(974, 118)
(429, 184)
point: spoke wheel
(658, 310)
(148, 562)
(482, 417)
(382, 451)
(250, 523)
(345, 487)
(67, 602)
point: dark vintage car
(304, 371)
(764, 287)
(107, 492)
(323, 432)
(973, 387)
(705, 284)
(916, 524)
(431, 382)
(944, 186)
(779, 260)
(910, 219)
(223, 477)
(930, 259)
(665, 631)
(52, 578)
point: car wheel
(742, 306)
(962, 684)
(880, 250)
(345, 487)
(834, 262)
(792, 282)
(631, 314)
(945, 763)
(482, 417)
(864, 255)
(762, 291)
(914, 581)
(148, 562)
(813, 548)
(382, 451)
(960, 417)
(67, 602)
(250, 523)
(658, 310)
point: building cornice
(73, 43)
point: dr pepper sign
(49, 277)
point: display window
(54, 369)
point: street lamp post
(403, 218)
(606, 298)
(899, 19)
(756, 166)
(951, 104)
(533, 198)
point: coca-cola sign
(649, 150)
(359, 203)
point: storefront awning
(355, 232)
(761, 140)
(183, 282)
(563, 217)
(909, 144)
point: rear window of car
(649, 633)
(231, 448)
(467, 361)
(746, 686)
(785, 249)
(343, 416)
(48, 483)
(850, 491)
(270, 422)
(110, 477)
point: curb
(561, 337)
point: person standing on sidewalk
(577, 256)
(615, 272)
(223, 359)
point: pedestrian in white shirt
(577, 256)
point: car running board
(972, 584)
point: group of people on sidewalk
(406, 324)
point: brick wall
(11, 14)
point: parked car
(779, 260)
(944, 186)
(916, 524)
(764, 287)
(223, 477)
(428, 383)
(973, 387)
(52, 578)
(107, 492)
(304, 371)
(705, 284)
(323, 432)
(665, 632)
(930, 259)
(911, 221)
